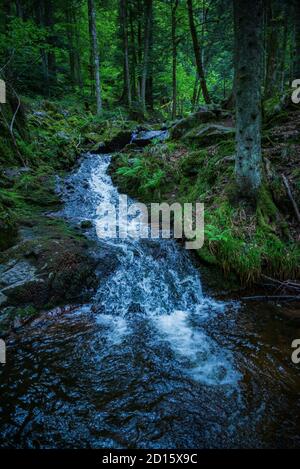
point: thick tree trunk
(248, 76)
(148, 14)
(95, 53)
(174, 6)
(271, 79)
(296, 68)
(286, 12)
(124, 27)
(198, 53)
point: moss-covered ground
(244, 239)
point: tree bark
(134, 55)
(248, 76)
(49, 23)
(198, 53)
(71, 48)
(296, 68)
(174, 6)
(148, 14)
(95, 53)
(271, 79)
(124, 27)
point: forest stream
(152, 361)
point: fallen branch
(11, 127)
(272, 298)
(290, 196)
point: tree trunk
(134, 55)
(248, 75)
(198, 53)
(71, 48)
(124, 27)
(296, 70)
(140, 48)
(271, 80)
(286, 12)
(148, 14)
(79, 78)
(174, 6)
(95, 53)
(49, 23)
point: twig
(5, 65)
(290, 195)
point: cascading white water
(155, 279)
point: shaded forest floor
(198, 165)
(45, 262)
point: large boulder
(193, 120)
(46, 272)
(207, 134)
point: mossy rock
(193, 120)
(208, 134)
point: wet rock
(18, 274)
(107, 262)
(118, 141)
(3, 299)
(144, 138)
(35, 292)
(86, 224)
(14, 173)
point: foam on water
(204, 360)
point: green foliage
(144, 174)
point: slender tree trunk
(79, 78)
(148, 13)
(195, 90)
(149, 81)
(49, 23)
(174, 6)
(123, 11)
(39, 19)
(140, 48)
(71, 48)
(95, 53)
(248, 71)
(134, 56)
(198, 53)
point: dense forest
(175, 101)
